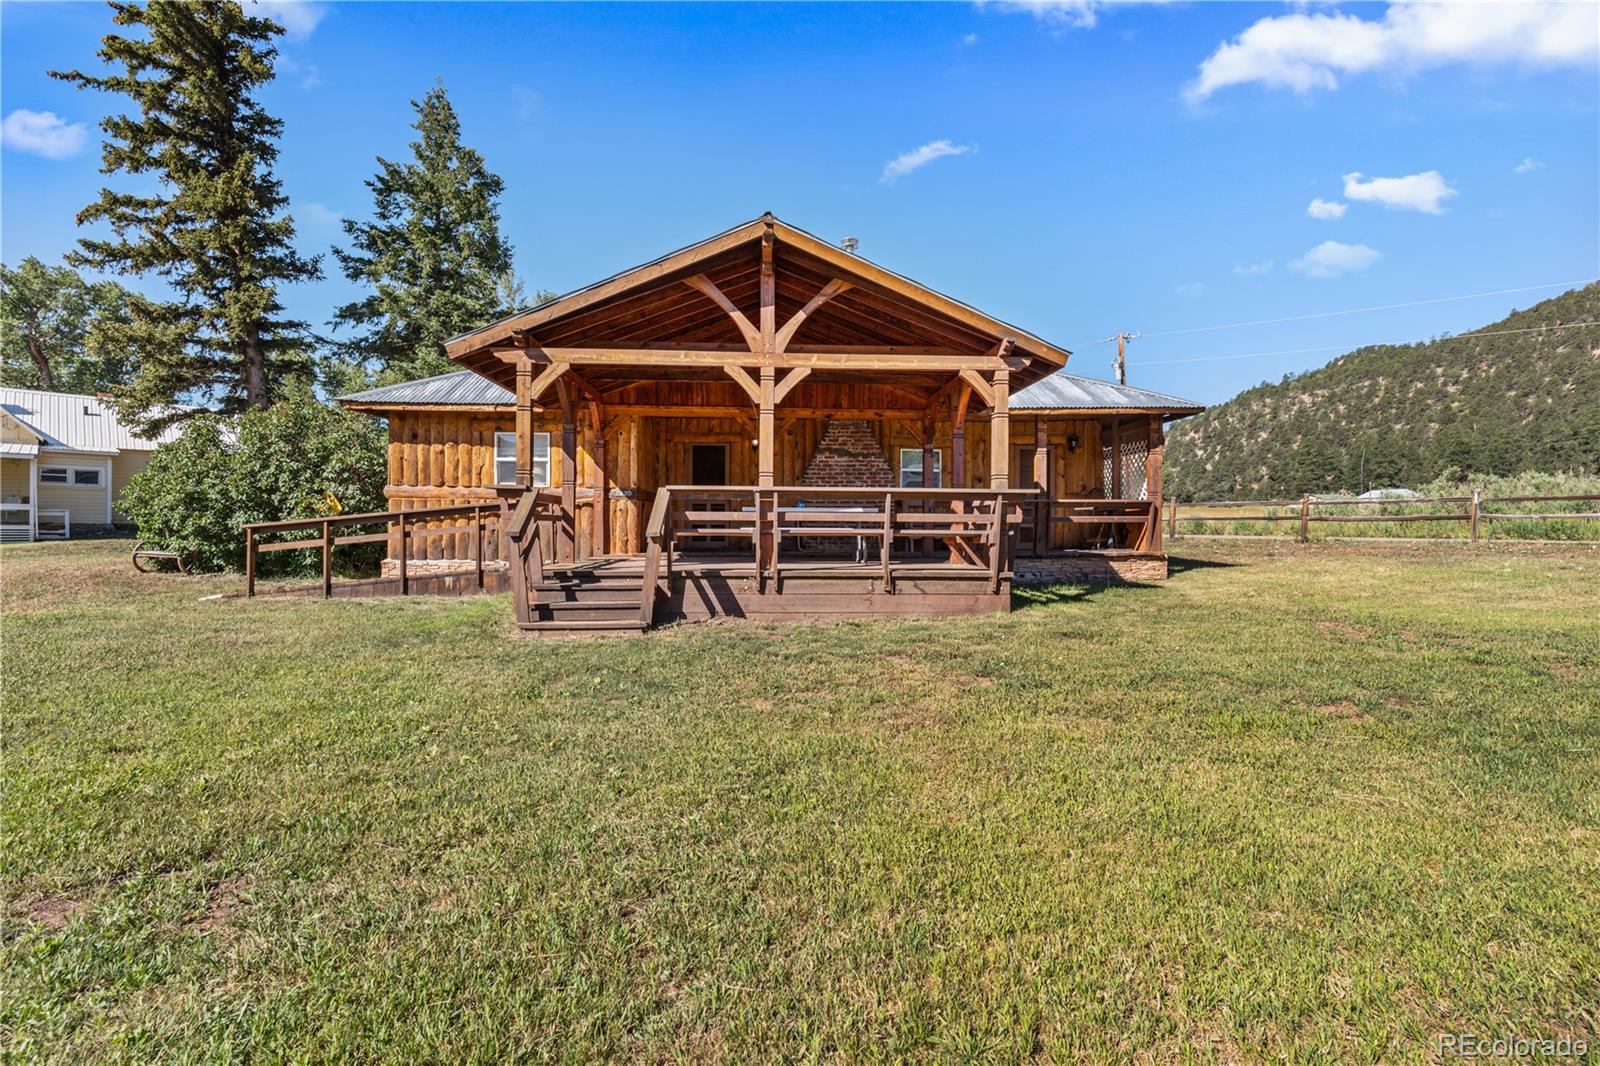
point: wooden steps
(585, 600)
(560, 627)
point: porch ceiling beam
(798, 319)
(549, 376)
(742, 377)
(659, 271)
(708, 288)
(791, 414)
(979, 386)
(874, 359)
(790, 380)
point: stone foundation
(391, 567)
(1089, 568)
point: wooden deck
(789, 553)
(703, 585)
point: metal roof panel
(459, 387)
(1064, 391)
(77, 422)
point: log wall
(441, 458)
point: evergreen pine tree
(214, 229)
(432, 255)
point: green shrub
(296, 459)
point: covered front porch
(778, 423)
(769, 395)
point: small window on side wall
(911, 468)
(86, 477)
(505, 459)
(55, 475)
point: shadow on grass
(1046, 595)
(1177, 565)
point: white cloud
(969, 38)
(1527, 166)
(297, 17)
(1326, 209)
(1332, 258)
(906, 162)
(42, 133)
(1303, 52)
(1254, 270)
(1192, 290)
(1064, 14)
(1425, 192)
(308, 75)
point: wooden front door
(708, 465)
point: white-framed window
(83, 477)
(505, 459)
(911, 468)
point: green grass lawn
(1298, 803)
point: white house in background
(64, 459)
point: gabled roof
(76, 422)
(882, 308)
(460, 388)
(1062, 391)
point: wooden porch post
(958, 436)
(569, 475)
(765, 422)
(1000, 432)
(600, 520)
(1041, 480)
(927, 451)
(524, 456)
(1152, 477)
(1116, 458)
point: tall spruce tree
(432, 255)
(214, 229)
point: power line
(1363, 310)
(1353, 347)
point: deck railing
(1127, 524)
(531, 528)
(476, 521)
(973, 524)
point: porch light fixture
(1072, 442)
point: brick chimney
(848, 456)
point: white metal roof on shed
(17, 450)
(1064, 391)
(76, 422)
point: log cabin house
(764, 424)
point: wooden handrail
(326, 540)
(456, 510)
(658, 534)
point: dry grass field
(1300, 803)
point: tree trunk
(255, 370)
(40, 363)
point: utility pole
(1123, 337)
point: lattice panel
(1134, 455)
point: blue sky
(1083, 168)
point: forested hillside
(1405, 414)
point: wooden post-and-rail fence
(1303, 511)
(477, 523)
